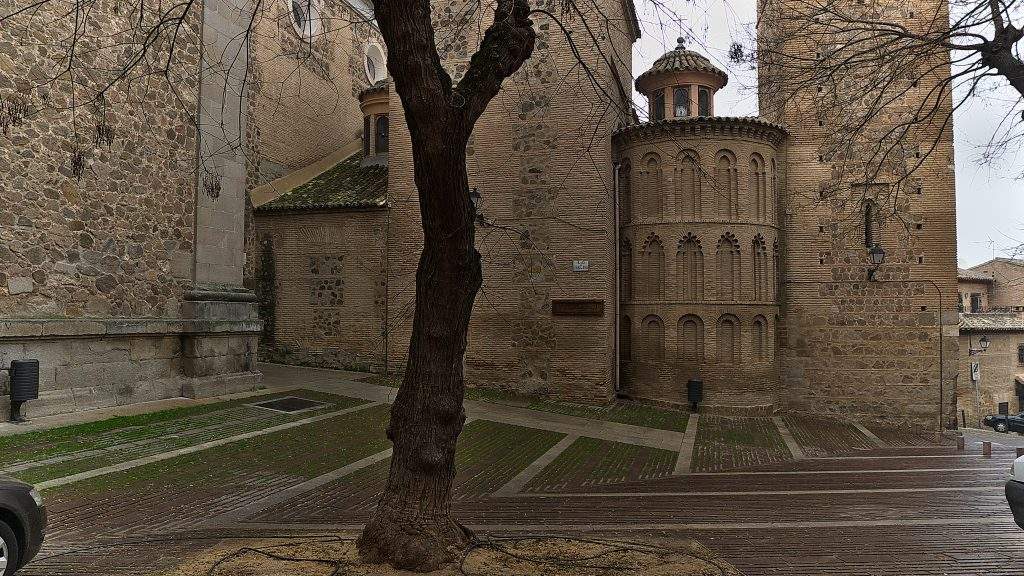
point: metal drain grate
(290, 404)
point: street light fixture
(877, 254)
(984, 342)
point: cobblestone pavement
(808, 496)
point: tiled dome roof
(683, 60)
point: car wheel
(1001, 427)
(9, 551)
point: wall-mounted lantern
(877, 254)
(983, 342)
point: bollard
(960, 443)
(986, 448)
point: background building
(626, 257)
(992, 308)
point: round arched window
(305, 15)
(376, 70)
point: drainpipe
(618, 272)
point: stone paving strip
(333, 382)
(197, 448)
(685, 459)
(818, 436)
(42, 470)
(516, 485)
(870, 435)
(592, 462)
(787, 437)
(484, 463)
(725, 443)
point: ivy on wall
(266, 288)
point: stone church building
(624, 257)
(625, 251)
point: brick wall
(541, 158)
(1007, 288)
(966, 288)
(702, 313)
(305, 101)
(330, 293)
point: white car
(1015, 491)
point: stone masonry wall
(96, 205)
(867, 349)
(330, 288)
(541, 159)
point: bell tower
(869, 176)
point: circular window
(305, 17)
(376, 70)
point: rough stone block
(19, 285)
(20, 328)
(160, 347)
(110, 374)
(91, 397)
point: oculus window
(376, 69)
(305, 15)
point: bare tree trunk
(412, 527)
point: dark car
(22, 524)
(1005, 422)
(1015, 491)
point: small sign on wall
(581, 265)
(975, 371)
(577, 307)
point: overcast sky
(990, 202)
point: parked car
(1015, 491)
(1005, 422)
(22, 524)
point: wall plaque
(575, 307)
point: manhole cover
(290, 404)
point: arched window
(691, 339)
(727, 186)
(381, 134)
(658, 105)
(728, 340)
(703, 102)
(690, 269)
(653, 333)
(625, 270)
(653, 194)
(757, 339)
(681, 101)
(728, 253)
(625, 340)
(373, 64)
(870, 224)
(757, 187)
(653, 276)
(759, 254)
(688, 185)
(625, 191)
